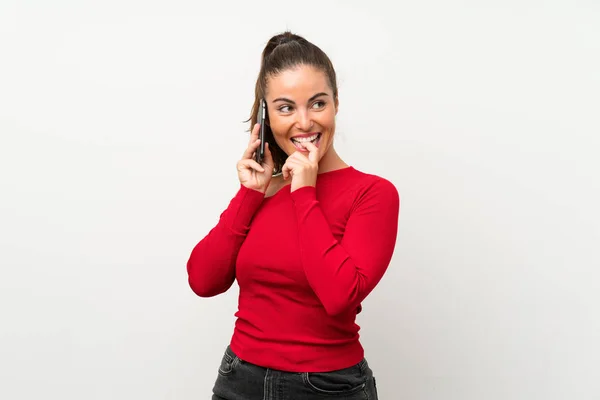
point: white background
(121, 122)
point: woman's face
(301, 108)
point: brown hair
(282, 52)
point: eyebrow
(292, 102)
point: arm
(211, 266)
(343, 273)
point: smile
(314, 139)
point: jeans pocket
(341, 382)
(228, 363)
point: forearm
(342, 273)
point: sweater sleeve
(211, 266)
(343, 273)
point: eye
(285, 109)
(319, 104)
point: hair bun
(280, 39)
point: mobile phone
(262, 113)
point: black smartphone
(262, 114)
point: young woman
(307, 237)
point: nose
(303, 120)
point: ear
(337, 105)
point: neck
(331, 161)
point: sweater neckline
(334, 172)
(320, 176)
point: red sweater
(304, 262)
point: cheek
(328, 120)
(330, 126)
(278, 127)
(279, 134)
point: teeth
(306, 139)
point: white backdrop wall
(121, 122)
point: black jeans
(241, 380)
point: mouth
(314, 139)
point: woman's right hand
(251, 174)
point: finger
(284, 172)
(251, 164)
(313, 151)
(287, 169)
(254, 133)
(298, 155)
(298, 160)
(251, 149)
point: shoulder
(367, 182)
(373, 189)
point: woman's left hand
(302, 168)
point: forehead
(300, 82)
